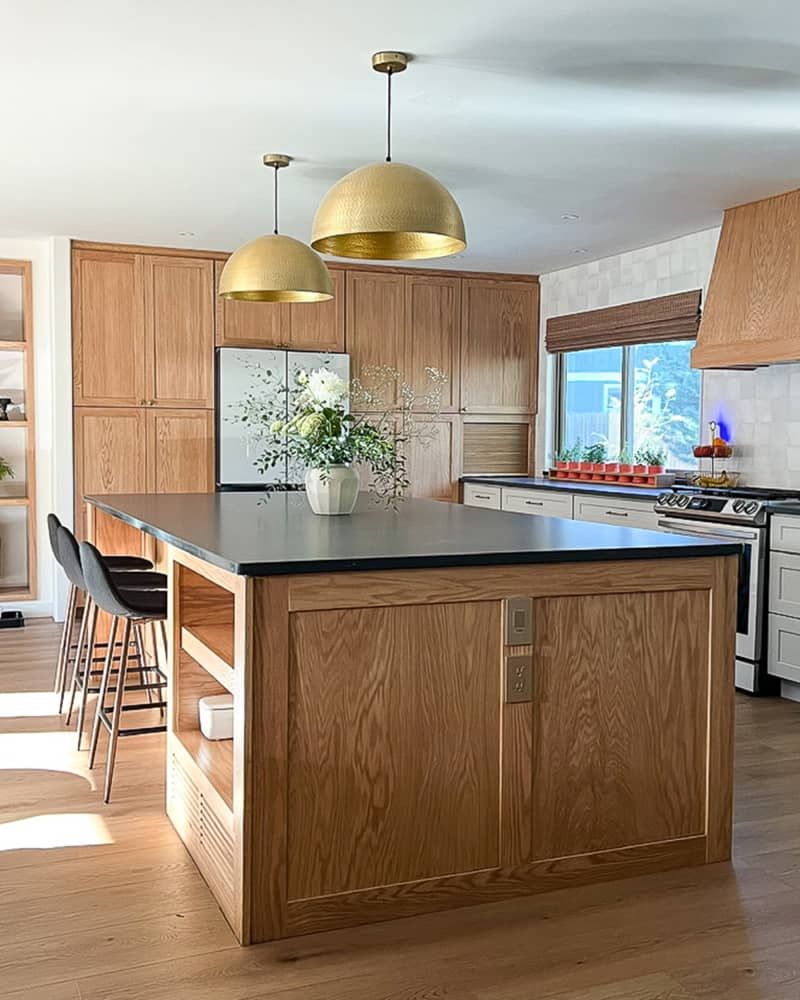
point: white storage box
(216, 716)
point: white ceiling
(137, 121)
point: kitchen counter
(567, 486)
(265, 535)
(433, 708)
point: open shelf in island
(212, 647)
(214, 758)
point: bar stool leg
(80, 676)
(66, 637)
(77, 656)
(101, 694)
(117, 711)
(159, 660)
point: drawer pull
(481, 496)
(617, 513)
(535, 503)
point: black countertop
(568, 486)
(783, 507)
(258, 535)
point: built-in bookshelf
(17, 439)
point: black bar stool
(136, 609)
(84, 658)
(68, 647)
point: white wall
(761, 408)
(53, 402)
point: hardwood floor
(104, 903)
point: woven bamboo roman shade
(670, 317)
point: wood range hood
(752, 312)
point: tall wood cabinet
(146, 323)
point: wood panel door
(433, 335)
(249, 324)
(108, 338)
(375, 321)
(180, 451)
(179, 326)
(318, 326)
(394, 745)
(499, 346)
(433, 459)
(619, 751)
(110, 454)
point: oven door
(751, 576)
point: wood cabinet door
(110, 454)
(394, 746)
(375, 321)
(499, 345)
(180, 451)
(619, 751)
(318, 326)
(108, 339)
(433, 459)
(179, 324)
(433, 334)
(249, 324)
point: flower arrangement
(322, 424)
(6, 472)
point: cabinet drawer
(784, 648)
(482, 496)
(784, 533)
(544, 502)
(625, 513)
(784, 584)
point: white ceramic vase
(334, 493)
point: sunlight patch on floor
(54, 830)
(28, 704)
(46, 751)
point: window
(645, 395)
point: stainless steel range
(741, 514)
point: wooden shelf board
(14, 501)
(15, 594)
(13, 423)
(213, 757)
(212, 647)
(13, 345)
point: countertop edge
(379, 563)
(566, 486)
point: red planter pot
(655, 470)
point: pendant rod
(389, 115)
(275, 202)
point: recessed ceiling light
(187, 233)
(580, 250)
(569, 217)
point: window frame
(626, 418)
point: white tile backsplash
(761, 408)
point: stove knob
(683, 500)
(739, 506)
(663, 499)
(672, 499)
(751, 508)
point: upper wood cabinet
(179, 322)
(303, 326)
(143, 329)
(499, 345)
(752, 309)
(432, 334)
(108, 329)
(375, 320)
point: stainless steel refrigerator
(238, 449)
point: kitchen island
(436, 707)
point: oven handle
(681, 529)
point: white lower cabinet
(532, 501)
(476, 495)
(784, 648)
(625, 513)
(784, 584)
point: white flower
(327, 388)
(302, 377)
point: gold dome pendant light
(388, 211)
(275, 268)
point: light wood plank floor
(103, 903)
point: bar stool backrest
(100, 583)
(69, 557)
(53, 524)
